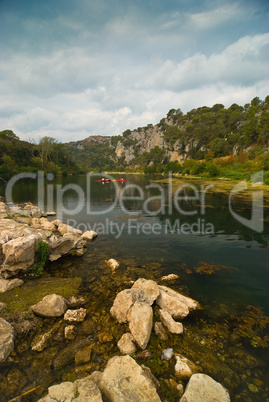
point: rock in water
(89, 235)
(6, 339)
(160, 331)
(126, 344)
(150, 288)
(121, 305)
(175, 303)
(73, 316)
(113, 264)
(203, 388)
(140, 317)
(184, 368)
(172, 326)
(50, 306)
(124, 380)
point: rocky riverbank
(114, 331)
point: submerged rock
(203, 388)
(140, 317)
(6, 339)
(69, 332)
(170, 277)
(113, 264)
(50, 306)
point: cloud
(73, 69)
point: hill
(178, 142)
(211, 141)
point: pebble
(202, 342)
(167, 354)
(253, 388)
(257, 382)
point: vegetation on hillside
(212, 141)
(21, 156)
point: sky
(74, 68)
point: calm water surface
(140, 224)
(147, 227)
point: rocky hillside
(177, 137)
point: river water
(180, 224)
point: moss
(22, 298)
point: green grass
(22, 298)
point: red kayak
(104, 180)
(121, 180)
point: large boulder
(123, 380)
(51, 306)
(175, 303)
(140, 317)
(19, 254)
(150, 288)
(6, 339)
(203, 388)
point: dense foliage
(21, 156)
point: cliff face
(179, 137)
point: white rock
(184, 368)
(203, 388)
(172, 326)
(50, 306)
(140, 317)
(113, 264)
(89, 235)
(169, 277)
(75, 315)
(8, 284)
(175, 303)
(6, 339)
(150, 288)
(126, 344)
(167, 354)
